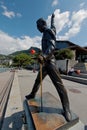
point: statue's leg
(56, 79)
(37, 84)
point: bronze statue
(48, 65)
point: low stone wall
(81, 66)
(65, 65)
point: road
(77, 92)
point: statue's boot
(67, 113)
(30, 96)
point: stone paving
(12, 119)
(22, 85)
(6, 79)
(77, 92)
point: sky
(18, 18)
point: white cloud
(10, 44)
(61, 20)
(55, 2)
(72, 22)
(76, 23)
(9, 14)
(82, 4)
(19, 15)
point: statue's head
(41, 24)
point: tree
(64, 54)
(22, 60)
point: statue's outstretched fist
(53, 15)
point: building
(80, 53)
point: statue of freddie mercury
(48, 65)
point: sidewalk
(12, 119)
(26, 81)
(22, 81)
(6, 79)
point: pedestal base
(48, 115)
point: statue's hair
(41, 21)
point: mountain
(2, 56)
(25, 51)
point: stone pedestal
(47, 115)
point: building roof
(72, 46)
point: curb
(75, 79)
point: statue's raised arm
(52, 23)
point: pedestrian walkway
(6, 79)
(26, 81)
(22, 85)
(12, 119)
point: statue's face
(40, 28)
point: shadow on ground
(86, 127)
(14, 122)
